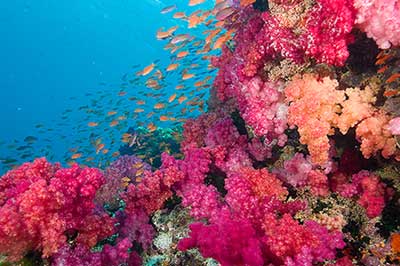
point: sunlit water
(67, 63)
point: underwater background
(58, 57)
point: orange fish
(115, 154)
(162, 35)
(179, 15)
(393, 77)
(390, 93)
(121, 117)
(195, 2)
(139, 110)
(187, 76)
(151, 127)
(153, 84)
(220, 24)
(208, 22)
(139, 172)
(179, 87)
(182, 54)
(114, 123)
(148, 69)
(76, 156)
(121, 93)
(163, 118)
(382, 69)
(138, 165)
(99, 148)
(159, 106)
(382, 59)
(199, 83)
(221, 40)
(126, 135)
(165, 34)
(105, 151)
(182, 99)
(194, 20)
(172, 67)
(245, 3)
(93, 124)
(150, 114)
(110, 113)
(172, 98)
(140, 102)
(179, 38)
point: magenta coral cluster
(371, 192)
(42, 204)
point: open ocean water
(65, 64)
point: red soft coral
(328, 31)
(42, 202)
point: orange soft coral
(314, 108)
(356, 107)
(374, 135)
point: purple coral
(117, 177)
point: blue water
(53, 52)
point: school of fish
(150, 96)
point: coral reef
(295, 163)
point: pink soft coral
(40, 203)
(232, 242)
(366, 187)
(109, 256)
(262, 107)
(287, 238)
(380, 19)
